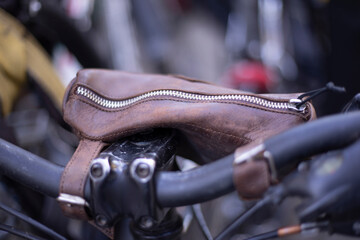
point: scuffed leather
(213, 129)
(252, 179)
(75, 174)
(208, 130)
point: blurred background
(260, 46)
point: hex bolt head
(146, 222)
(101, 220)
(142, 170)
(96, 170)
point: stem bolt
(96, 170)
(101, 220)
(143, 170)
(146, 222)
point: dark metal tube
(325, 134)
(29, 170)
(197, 185)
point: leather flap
(105, 105)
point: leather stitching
(69, 170)
(84, 173)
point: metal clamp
(122, 179)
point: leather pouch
(103, 106)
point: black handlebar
(197, 185)
(203, 183)
(173, 188)
(315, 137)
(30, 170)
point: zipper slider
(293, 105)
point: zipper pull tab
(330, 86)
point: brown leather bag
(103, 106)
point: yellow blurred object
(40, 68)
(21, 53)
(12, 61)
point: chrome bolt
(101, 220)
(142, 170)
(96, 170)
(146, 222)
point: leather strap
(73, 179)
(251, 179)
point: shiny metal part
(273, 173)
(292, 105)
(71, 199)
(258, 152)
(99, 168)
(142, 169)
(250, 155)
(96, 170)
(146, 222)
(101, 220)
(246, 98)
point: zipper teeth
(111, 104)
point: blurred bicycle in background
(260, 46)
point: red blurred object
(250, 76)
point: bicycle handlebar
(315, 137)
(185, 187)
(200, 184)
(29, 169)
(197, 185)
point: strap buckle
(258, 152)
(71, 200)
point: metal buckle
(71, 199)
(258, 152)
(250, 155)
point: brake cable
(18, 233)
(199, 216)
(290, 230)
(51, 233)
(243, 217)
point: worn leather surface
(75, 174)
(252, 179)
(212, 129)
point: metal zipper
(113, 104)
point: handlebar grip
(315, 137)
